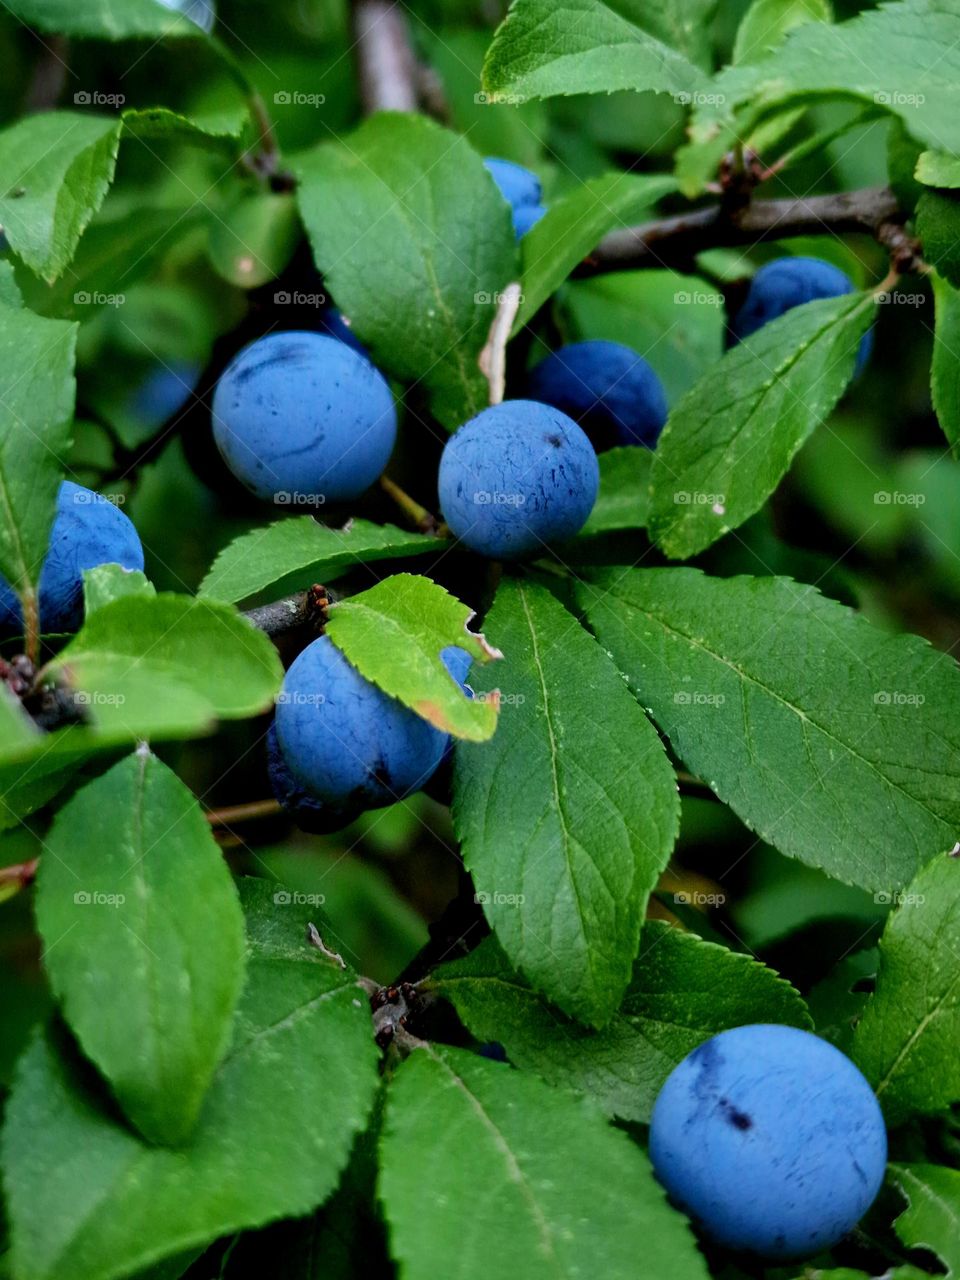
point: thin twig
(304, 609)
(418, 516)
(21, 873)
(872, 210)
(233, 813)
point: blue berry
(88, 530)
(771, 1140)
(611, 391)
(789, 282)
(517, 477)
(301, 418)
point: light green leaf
(574, 225)
(132, 877)
(903, 57)
(766, 23)
(24, 789)
(833, 740)
(519, 1204)
(624, 490)
(676, 321)
(17, 730)
(10, 295)
(932, 1218)
(415, 242)
(57, 167)
(545, 48)
(103, 19)
(945, 365)
(393, 634)
(298, 552)
(938, 169)
(276, 1128)
(682, 992)
(732, 437)
(906, 1041)
(167, 666)
(108, 582)
(37, 391)
(568, 817)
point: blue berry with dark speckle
(516, 478)
(770, 1139)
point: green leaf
(945, 365)
(219, 131)
(624, 495)
(938, 226)
(167, 666)
(103, 19)
(831, 739)
(766, 23)
(393, 634)
(297, 552)
(836, 1002)
(682, 992)
(938, 169)
(23, 790)
(276, 1128)
(903, 57)
(677, 321)
(255, 238)
(585, 806)
(10, 295)
(932, 1219)
(548, 1188)
(906, 1041)
(732, 437)
(545, 48)
(17, 730)
(108, 582)
(37, 391)
(114, 252)
(57, 167)
(415, 242)
(573, 226)
(143, 940)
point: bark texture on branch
(388, 69)
(676, 240)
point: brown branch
(304, 609)
(230, 814)
(20, 874)
(677, 240)
(387, 66)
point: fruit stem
(417, 515)
(264, 159)
(230, 814)
(31, 625)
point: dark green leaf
(906, 1041)
(103, 19)
(682, 992)
(275, 1130)
(624, 496)
(938, 226)
(831, 739)
(416, 243)
(253, 240)
(932, 1218)
(945, 367)
(143, 940)
(731, 439)
(474, 1151)
(568, 816)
